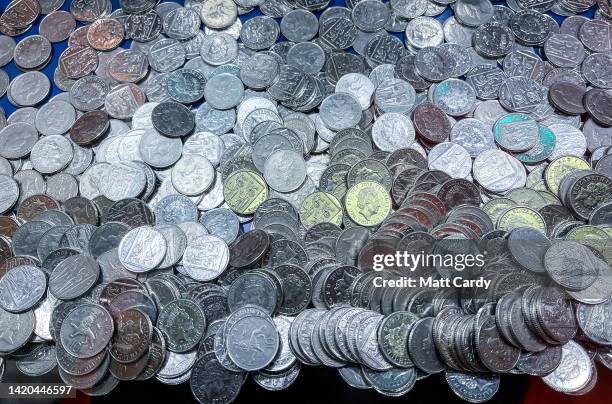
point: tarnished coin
(516, 132)
(131, 341)
(182, 322)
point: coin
(367, 203)
(244, 191)
(573, 357)
(192, 175)
(142, 249)
(244, 180)
(86, 330)
(183, 323)
(22, 288)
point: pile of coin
(206, 197)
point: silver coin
(299, 25)
(86, 330)
(123, 180)
(177, 364)
(520, 94)
(159, 151)
(596, 69)
(251, 354)
(142, 249)
(221, 222)
(424, 31)
(166, 55)
(32, 52)
(574, 371)
(340, 111)
(123, 100)
(393, 131)
(454, 32)
(564, 50)
(209, 119)
(22, 288)
(450, 158)
(17, 328)
(569, 141)
(7, 49)
(306, 56)
(219, 13)
(473, 13)
(358, 86)
(207, 145)
(9, 193)
(475, 136)
(260, 32)
(51, 154)
(219, 48)
(17, 140)
(281, 162)
(223, 91)
(496, 170)
(455, 97)
(30, 183)
(192, 175)
(205, 258)
(73, 277)
(182, 23)
(55, 118)
(176, 242)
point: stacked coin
(203, 201)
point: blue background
(58, 48)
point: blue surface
(58, 48)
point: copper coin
(567, 97)
(89, 127)
(598, 103)
(105, 34)
(34, 205)
(431, 123)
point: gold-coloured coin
(550, 198)
(536, 175)
(340, 191)
(244, 191)
(320, 207)
(367, 203)
(589, 235)
(559, 168)
(539, 186)
(521, 216)
(526, 197)
(495, 207)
